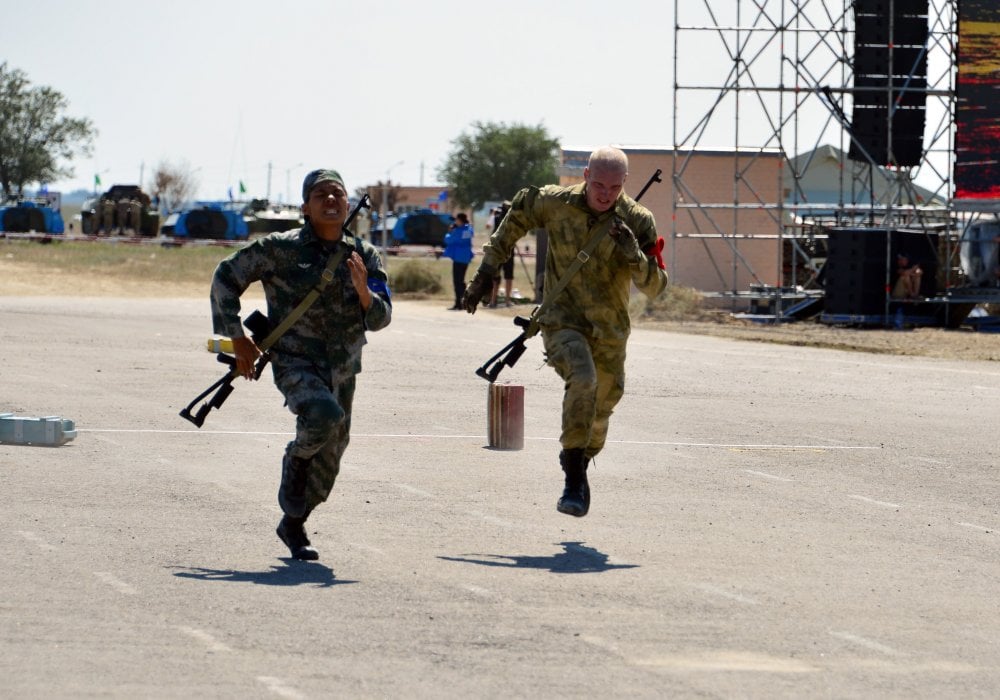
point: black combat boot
(292, 532)
(292, 492)
(576, 496)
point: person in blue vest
(458, 247)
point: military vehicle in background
(422, 227)
(263, 217)
(220, 221)
(121, 210)
(38, 214)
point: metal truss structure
(785, 86)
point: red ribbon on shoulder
(656, 250)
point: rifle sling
(312, 296)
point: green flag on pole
(243, 189)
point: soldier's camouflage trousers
(594, 374)
(322, 425)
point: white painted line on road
(867, 643)
(976, 527)
(715, 590)
(885, 504)
(36, 540)
(280, 688)
(825, 439)
(766, 475)
(413, 490)
(116, 583)
(186, 432)
(210, 642)
(438, 436)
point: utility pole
(384, 209)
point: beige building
(724, 238)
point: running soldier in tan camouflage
(586, 327)
(315, 362)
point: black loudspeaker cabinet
(890, 81)
(857, 262)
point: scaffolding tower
(787, 87)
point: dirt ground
(958, 344)
(962, 343)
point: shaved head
(608, 159)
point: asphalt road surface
(767, 521)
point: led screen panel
(977, 114)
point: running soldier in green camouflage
(315, 362)
(586, 327)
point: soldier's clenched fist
(623, 237)
(480, 286)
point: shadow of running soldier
(317, 359)
(585, 327)
(576, 558)
(315, 575)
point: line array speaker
(890, 81)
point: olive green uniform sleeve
(527, 212)
(646, 275)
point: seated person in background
(908, 276)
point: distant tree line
(38, 141)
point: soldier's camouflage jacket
(288, 265)
(595, 302)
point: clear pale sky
(227, 87)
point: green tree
(497, 160)
(35, 136)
